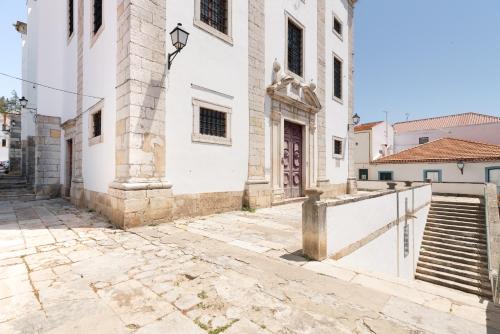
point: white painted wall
(336, 113)
(474, 172)
(209, 62)
(351, 222)
(371, 145)
(483, 133)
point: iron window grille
(337, 26)
(212, 123)
(97, 15)
(71, 18)
(337, 78)
(214, 13)
(294, 48)
(337, 149)
(96, 122)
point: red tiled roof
(445, 122)
(366, 126)
(444, 150)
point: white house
(468, 126)
(371, 141)
(446, 160)
(256, 107)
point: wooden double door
(292, 160)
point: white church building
(254, 109)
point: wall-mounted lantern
(179, 40)
(24, 104)
(356, 119)
(461, 166)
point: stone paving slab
(77, 274)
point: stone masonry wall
(15, 151)
(47, 156)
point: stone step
(476, 275)
(447, 236)
(455, 246)
(459, 217)
(460, 213)
(457, 253)
(450, 241)
(454, 265)
(453, 258)
(457, 204)
(456, 222)
(477, 281)
(480, 291)
(449, 229)
(456, 227)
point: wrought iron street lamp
(179, 40)
(24, 104)
(356, 119)
(461, 166)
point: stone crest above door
(288, 89)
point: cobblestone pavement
(64, 270)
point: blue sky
(10, 52)
(422, 57)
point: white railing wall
(380, 232)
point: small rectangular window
(295, 54)
(96, 124)
(71, 18)
(97, 19)
(4, 142)
(363, 174)
(337, 26)
(212, 122)
(337, 78)
(215, 14)
(337, 147)
(423, 140)
(385, 176)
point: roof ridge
(445, 116)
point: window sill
(338, 35)
(214, 32)
(295, 75)
(341, 101)
(95, 140)
(95, 37)
(199, 138)
(70, 38)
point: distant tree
(3, 104)
(13, 104)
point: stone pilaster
(257, 189)
(322, 180)
(140, 194)
(77, 193)
(351, 181)
(15, 151)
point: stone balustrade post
(314, 237)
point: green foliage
(10, 105)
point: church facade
(255, 109)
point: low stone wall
(380, 231)
(445, 188)
(192, 205)
(493, 221)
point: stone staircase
(454, 251)
(15, 188)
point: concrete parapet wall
(493, 222)
(380, 231)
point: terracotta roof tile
(444, 150)
(366, 126)
(445, 122)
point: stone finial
(408, 183)
(314, 194)
(392, 185)
(276, 71)
(312, 85)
